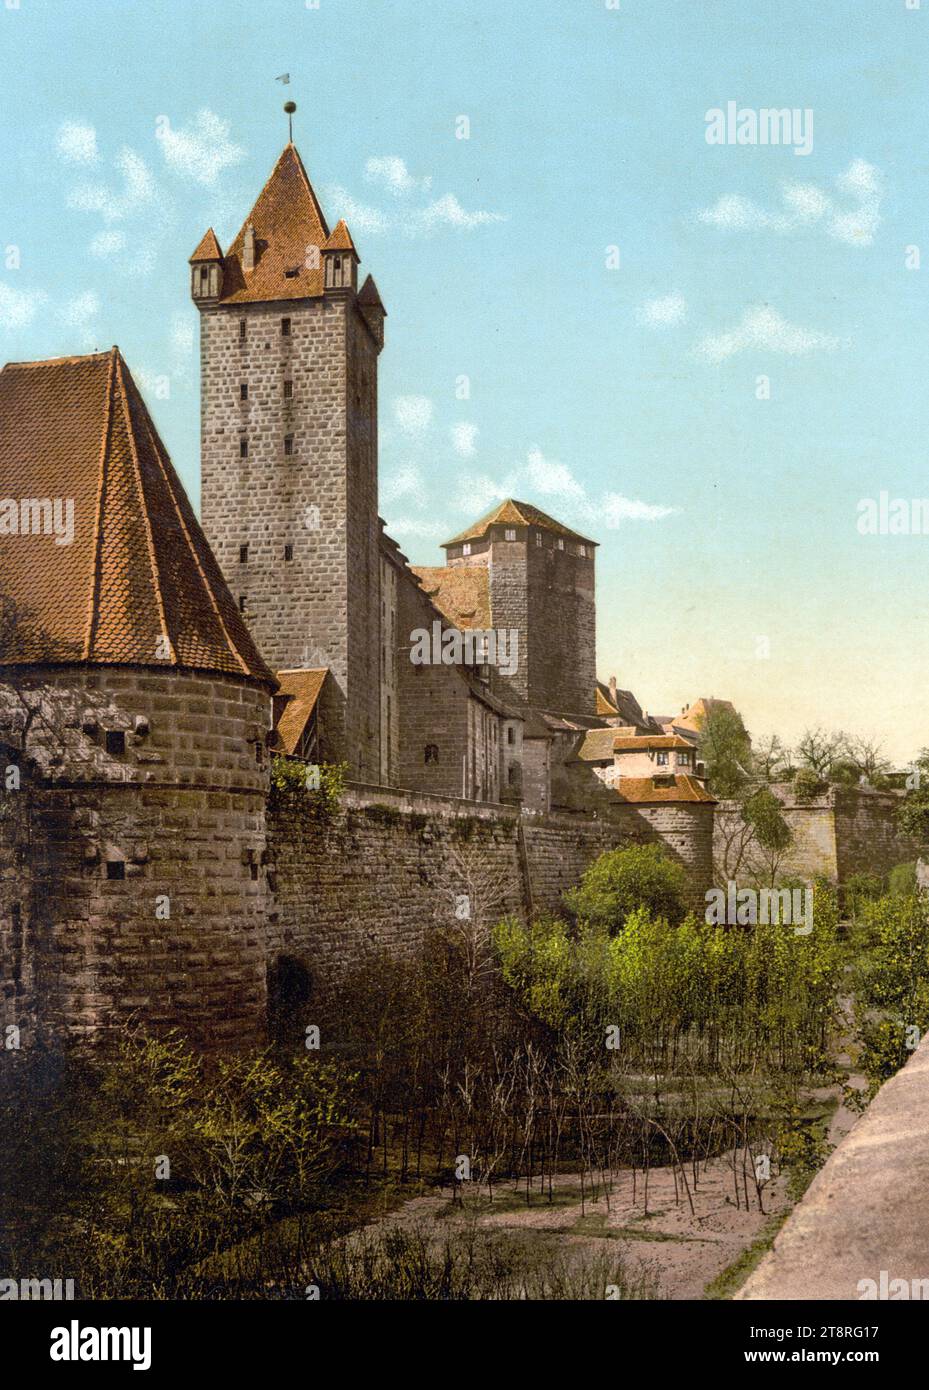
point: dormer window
(292, 273)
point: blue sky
(621, 398)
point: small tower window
(431, 753)
(243, 448)
(288, 390)
(288, 552)
(288, 444)
(582, 551)
(538, 537)
(243, 330)
(243, 554)
(466, 548)
(204, 274)
(509, 535)
(243, 391)
(116, 869)
(560, 543)
(115, 741)
(285, 328)
(243, 601)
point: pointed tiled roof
(138, 569)
(288, 222)
(208, 250)
(340, 239)
(512, 513)
(368, 296)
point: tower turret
(206, 270)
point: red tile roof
(512, 513)
(638, 790)
(340, 239)
(288, 223)
(208, 250)
(625, 743)
(303, 688)
(461, 593)
(139, 568)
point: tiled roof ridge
(70, 360)
(93, 600)
(140, 489)
(231, 643)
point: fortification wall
(391, 865)
(149, 891)
(843, 831)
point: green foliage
(725, 748)
(621, 881)
(292, 787)
(807, 784)
(901, 881)
(892, 984)
(861, 889)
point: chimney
(248, 248)
(613, 689)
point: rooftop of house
(692, 717)
(300, 690)
(461, 593)
(513, 513)
(639, 790)
(624, 743)
(138, 569)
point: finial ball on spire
(290, 107)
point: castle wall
(150, 882)
(390, 865)
(842, 831)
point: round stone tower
(134, 713)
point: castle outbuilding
(134, 711)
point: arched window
(431, 753)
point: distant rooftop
(513, 513)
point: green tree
(725, 748)
(623, 880)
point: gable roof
(512, 513)
(303, 688)
(639, 790)
(461, 593)
(288, 220)
(139, 568)
(208, 250)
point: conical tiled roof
(208, 250)
(511, 513)
(288, 222)
(138, 568)
(340, 239)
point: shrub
(292, 787)
(807, 786)
(901, 881)
(624, 880)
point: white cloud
(477, 492)
(18, 307)
(763, 327)
(615, 509)
(200, 151)
(407, 483)
(448, 212)
(660, 313)
(182, 334)
(408, 526)
(138, 190)
(82, 308)
(413, 414)
(391, 171)
(108, 243)
(551, 478)
(77, 144)
(359, 216)
(464, 438)
(805, 205)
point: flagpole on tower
(289, 106)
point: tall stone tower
(541, 582)
(288, 362)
